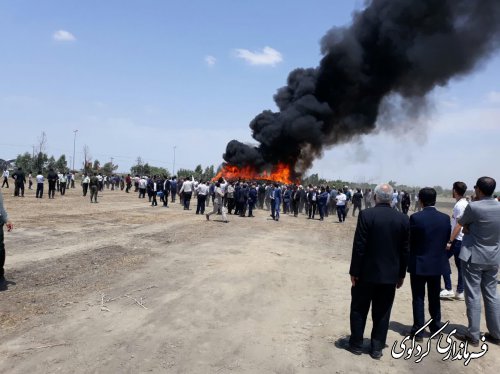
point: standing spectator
(52, 179)
(278, 196)
(268, 198)
(417, 207)
(296, 200)
(394, 200)
(218, 203)
(252, 199)
(149, 187)
(94, 188)
(378, 267)
(30, 180)
(357, 198)
(287, 198)
(261, 195)
(142, 187)
(100, 181)
(154, 191)
(341, 201)
(85, 184)
(136, 182)
(322, 203)
(173, 188)
(166, 191)
(186, 192)
(480, 255)
(429, 233)
(242, 200)
(39, 185)
(201, 195)
(405, 202)
(5, 176)
(62, 183)
(230, 198)
(368, 198)
(312, 198)
(69, 177)
(20, 180)
(128, 182)
(333, 200)
(455, 242)
(4, 220)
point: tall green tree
(198, 172)
(24, 161)
(109, 168)
(185, 173)
(40, 163)
(62, 164)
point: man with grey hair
(378, 266)
(480, 255)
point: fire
(280, 173)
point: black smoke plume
(393, 47)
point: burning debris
(281, 173)
(401, 48)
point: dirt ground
(123, 287)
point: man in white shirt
(5, 176)
(187, 191)
(201, 192)
(142, 187)
(85, 184)
(39, 185)
(341, 199)
(455, 243)
(100, 181)
(62, 183)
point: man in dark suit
(429, 234)
(378, 267)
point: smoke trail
(393, 47)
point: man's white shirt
(458, 212)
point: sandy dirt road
(122, 287)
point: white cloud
(210, 60)
(63, 36)
(494, 97)
(268, 56)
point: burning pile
(281, 173)
(379, 68)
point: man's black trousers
(418, 283)
(381, 298)
(2, 251)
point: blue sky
(137, 78)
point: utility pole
(173, 166)
(74, 147)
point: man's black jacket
(380, 249)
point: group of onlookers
(387, 244)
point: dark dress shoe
(468, 339)
(491, 339)
(354, 350)
(375, 354)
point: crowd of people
(387, 244)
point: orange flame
(280, 173)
